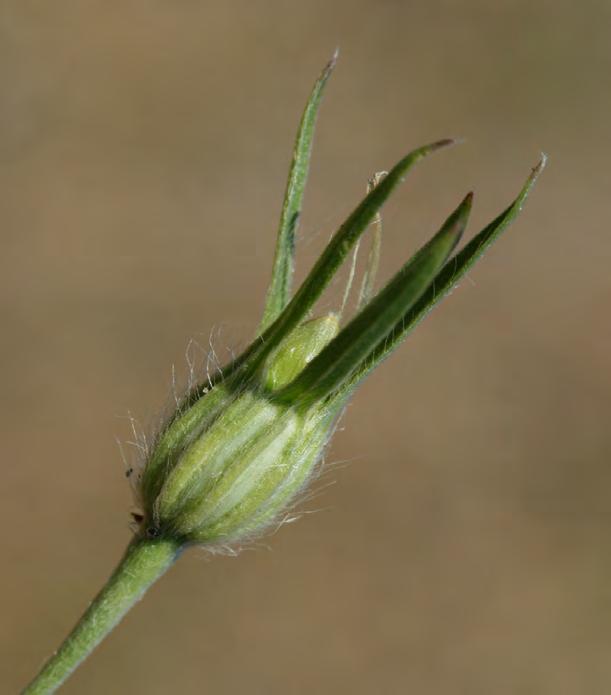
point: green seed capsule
(235, 472)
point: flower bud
(238, 450)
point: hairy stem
(143, 563)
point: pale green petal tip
(298, 350)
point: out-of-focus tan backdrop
(465, 544)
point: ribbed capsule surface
(233, 474)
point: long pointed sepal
(328, 264)
(279, 291)
(449, 276)
(334, 365)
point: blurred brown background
(465, 547)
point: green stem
(143, 563)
